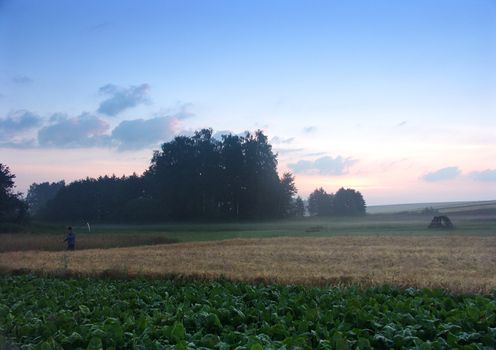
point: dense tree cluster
(107, 198)
(197, 177)
(235, 177)
(40, 194)
(12, 207)
(344, 202)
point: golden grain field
(50, 242)
(458, 263)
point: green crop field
(50, 313)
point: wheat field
(458, 263)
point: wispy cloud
(400, 124)
(309, 129)
(488, 175)
(85, 130)
(121, 98)
(285, 151)
(323, 166)
(281, 140)
(448, 173)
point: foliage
(343, 203)
(39, 194)
(202, 177)
(320, 202)
(197, 177)
(105, 198)
(298, 207)
(50, 313)
(12, 207)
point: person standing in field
(70, 239)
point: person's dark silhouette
(70, 239)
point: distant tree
(103, 199)
(12, 207)
(288, 190)
(320, 203)
(348, 202)
(39, 194)
(299, 207)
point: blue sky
(382, 96)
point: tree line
(196, 177)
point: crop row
(54, 313)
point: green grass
(51, 313)
(386, 224)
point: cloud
(17, 122)
(285, 151)
(448, 173)
(280, 140)
(85, 130)
(309, 129)
(22, 79)
(399, 125)
(315, 154)
(487, 175)
(143, 133)
(323, 166)
(121, 98)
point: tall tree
(12, 207)
(299, 207)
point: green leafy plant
(52, 313)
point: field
(50, 237)
(50, 313)
(442, 207)
(457, 263)
(356, 283)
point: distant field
(458, 263)
(444, 207)
(50, 236)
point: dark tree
(12, 207)
(344, 203)
(39, 194)
(200, 177)
(320, 203)
(106, 198)
(288, 190)
(299, 207)
(348, 202)
(190, 178)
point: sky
(396, 99)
